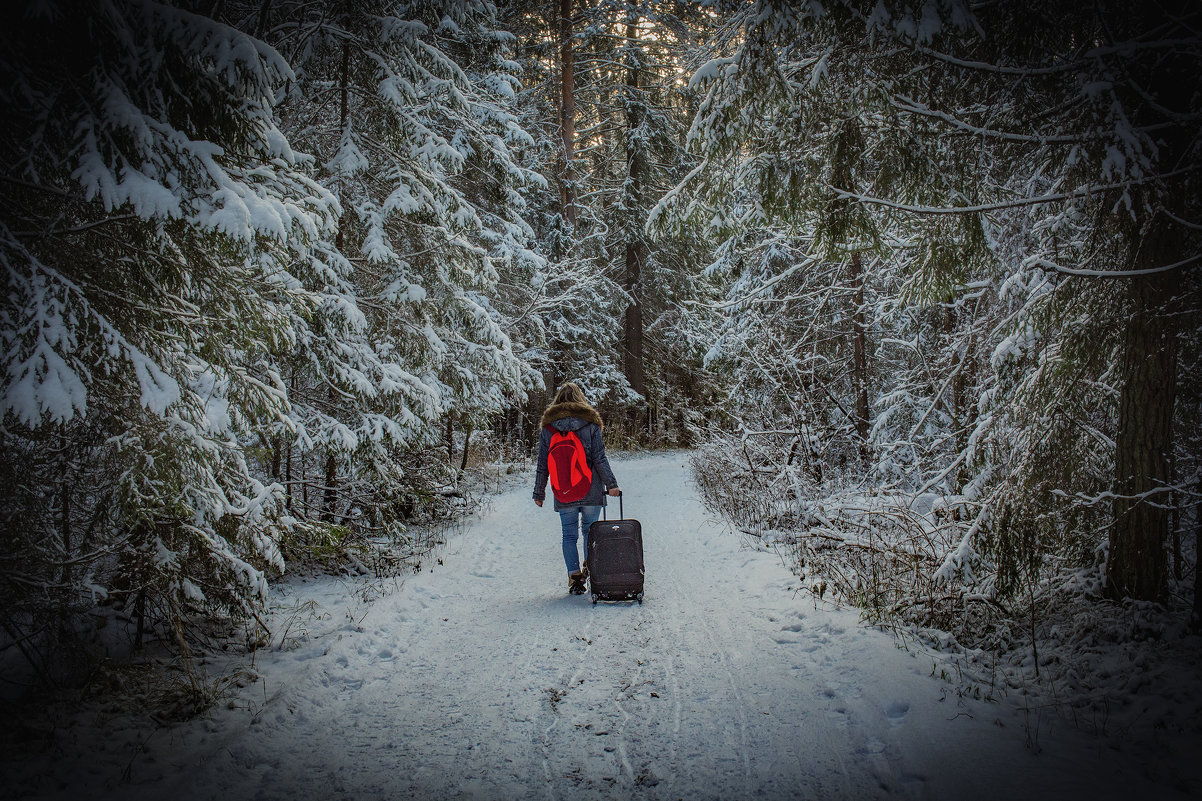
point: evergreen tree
(1016, 170)
(629, 104)
(159, 239)
(571, 311)
(404, 106)
(202, 321)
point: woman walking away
(572, 454)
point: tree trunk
(529, 423)
(288, 478)
(1175, 501)
(330, 502)
(1137, 565)
(288, 455)
(304, 478)
(636, 255)
(264, 16)
(636, 245)
(467, 438)
(567, 112)
(1198, 575)
(344, 118)
(860, 354)
(449, 440)
(961, 406)
(65, 497)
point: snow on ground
(482, 679)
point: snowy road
(483, 679)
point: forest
(915, 283)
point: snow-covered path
(483, 679)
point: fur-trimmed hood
(562, 411)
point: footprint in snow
(896, 712)
(872, 746)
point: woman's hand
(538, 503)
(614, 491)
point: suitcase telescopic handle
(621, 513)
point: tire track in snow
(716, 585)
(673, 691)
(675, 593)
(555, 696)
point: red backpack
(571, 477)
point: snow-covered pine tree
(405, 107)
(570, 312)
(639, 161)
(629, 106)
(1087, 160)
(801, 266)
(1023, 179)
(159, 239)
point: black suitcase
(615, 559)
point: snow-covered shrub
(890, 553)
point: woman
(571, 412)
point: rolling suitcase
(615, 559)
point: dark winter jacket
(584, 420)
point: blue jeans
(573, 520)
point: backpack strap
(580, 463)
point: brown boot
(576, 583)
